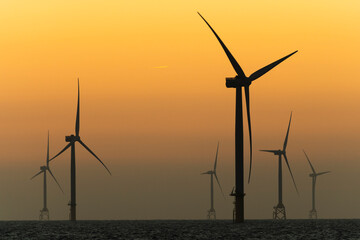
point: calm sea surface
(187, 229)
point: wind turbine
(313, 175)
(44, 213)
(239, 81)
(72, 139)
(212, 173)
(279, 209)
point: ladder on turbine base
(279, 212)
(313, 214)
(44, 214)
(211, 214)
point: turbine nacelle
(43, 168)
(234, 82)
(279, 152)
(312, 175)
(72, 138)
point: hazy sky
(154, 104)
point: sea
(182, 229)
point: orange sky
(157, 128)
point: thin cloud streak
(160, 67)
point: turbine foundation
(238, 211)
(279, 212)
(313, 214)
(211, 214)
(44, 214)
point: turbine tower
(313, 175)
(72, 139)
(238, 82)
(211, 212)
(44, 213)
(279, 210)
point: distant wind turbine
(279, 209)
(239, 81)
(212, 173)
(44, 213)
(313, 175)
(72, 139)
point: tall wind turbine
(44, 213)
(279, 210)
(238, 82)
(212, 173)
(313, 175)
(72, 139)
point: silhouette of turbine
(313, 175)
(279, 210)
(72, 140)
(212, 173)
(44, 213)
(239, 81)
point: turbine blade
(77, 124)
(36, 175)
(287, 163)
(83, 144)
(272, 151)
(247, 98)
(312, 168)
(287, 134)
(322, 173)
(66, 147)
(55, 179)
(233, 62)
(219, 185)
(47, 153)
(264, 70)
(216, 157)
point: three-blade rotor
(76, 138)
(315, 174)
(47, 167)
(283, 153)
(245, 81)
(213, 172)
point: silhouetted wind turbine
(44, 213)
(313, 175)
(72, 139)
(211, 211)
(279, 210)
(239, 81)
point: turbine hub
(72, 138)
(278, 152)
(42, 168)
(234, 82)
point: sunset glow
(154, 103)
